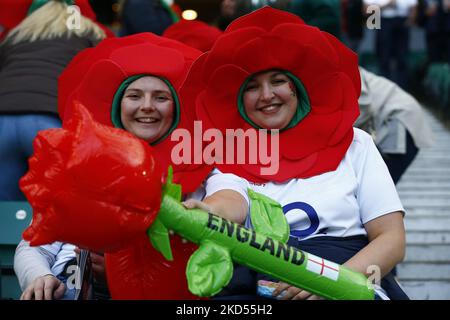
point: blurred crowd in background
(408, 44)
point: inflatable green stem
(221, 242)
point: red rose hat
(196, 34)
(326, 76)
(94, 76)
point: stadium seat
(14, 218)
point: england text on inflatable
(100, 188)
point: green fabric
(159, 238)
(36, 4)
(209, 269)
(267, 216)
(117, 100)
(158, 233)
(303, 107)
(171, 189)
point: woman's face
(270, 100)
(147, 108)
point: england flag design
(323, 267)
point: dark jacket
(440, 22)
(145, 16)
(29, 73)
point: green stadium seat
(15, 216)
(369, 61)
(436, 82)
(445, 86)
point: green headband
(36, 4)
(116, 105)
(303, 106)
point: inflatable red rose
(77, 192)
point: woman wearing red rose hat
(133, 83)
(271, 71)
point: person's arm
(226, 203)
(226, 196)
(32, 266)
(386, 248)
(386, 245)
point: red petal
(140, 272)
(266, 17)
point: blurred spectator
(146, 16)
(32, 56)
(194, 33)
(394, 119)
(392, 41)
(104, 11)
(227, 13)
(353, 23)
(232, 9)
(14, 11)
(437, 27)
(324, 14)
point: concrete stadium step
(436, 152)
(427, 194)
(434, 253)
(426, 203)
(427, 238)
(436, 223)
(433, 161)
(424, 181)
(426, 172)
(426, 290)
(423, 271)
(426, 212)
(432, 185)
(416, 170)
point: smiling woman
(270, 100)
(270, 70)
(147, 109)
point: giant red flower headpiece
(94, 76)
(196, 34)
(270, 39)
